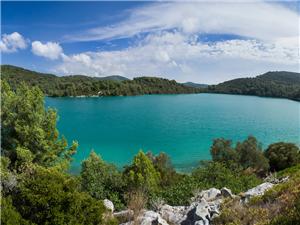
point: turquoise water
(183, 126)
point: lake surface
(183, 126)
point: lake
(183, 126)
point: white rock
(151, 217)
(173, 214)
(210, 194)
(256, 191)
(226, 192)
(124, 216)
(259, 190)
(108, 205)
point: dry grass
(137, 201)
(263, 210)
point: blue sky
(194, 41)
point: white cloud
(260, 20)
(178, 56)
(170, 46)
(12, 42)
(49, 50)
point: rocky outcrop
(256, 191)
(173, 214)
(204, 206)
(148, 218)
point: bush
(141, 174)
(102, 180)
(251, 155)
(180, 192)
(216, 174)
(163, 165)
(222, 151)
(282, 155)
(47, 196)
(9, 214)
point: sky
(204, 41)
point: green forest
(79, 85)
(36, 187)
(272, 84)
(278, 84)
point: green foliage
(163, 165)
(9, 214)
(272, 84)
(79, 85)
(218, 175)
(141, 174)
(282, 155)
(291, 218)
(251, 155)
(27, 124)
(102, 180)
(48, 196)
(222, 151)
(180, 192)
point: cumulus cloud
(179, 56)
(12, 42)
(50, 50)
(259, 19)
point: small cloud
(12, 42)
(50, 50)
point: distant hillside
(78, 85)
(114, 77)
(271, 84)
(195, 85)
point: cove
(183, 126)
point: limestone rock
(226, 193)
(108, 205)
(173, 214)
(256, 191)
(124, 216)
(151, 217)
(210, 194)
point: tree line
(78, 85)
(271, 84)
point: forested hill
(271, 84)
(79, 85)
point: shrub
(222, 151)
(9, 214)
(163, 165)
(180, 192)
(251, 155)
(216, 174)
(282, 155)
(141, 174)
(47, 196)
(102, 180)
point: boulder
(198, 213)
(150, 218)
(124, 216)
(173, 214)
(256, 191)
(108, 205)
(210, 194)
(226, 193)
